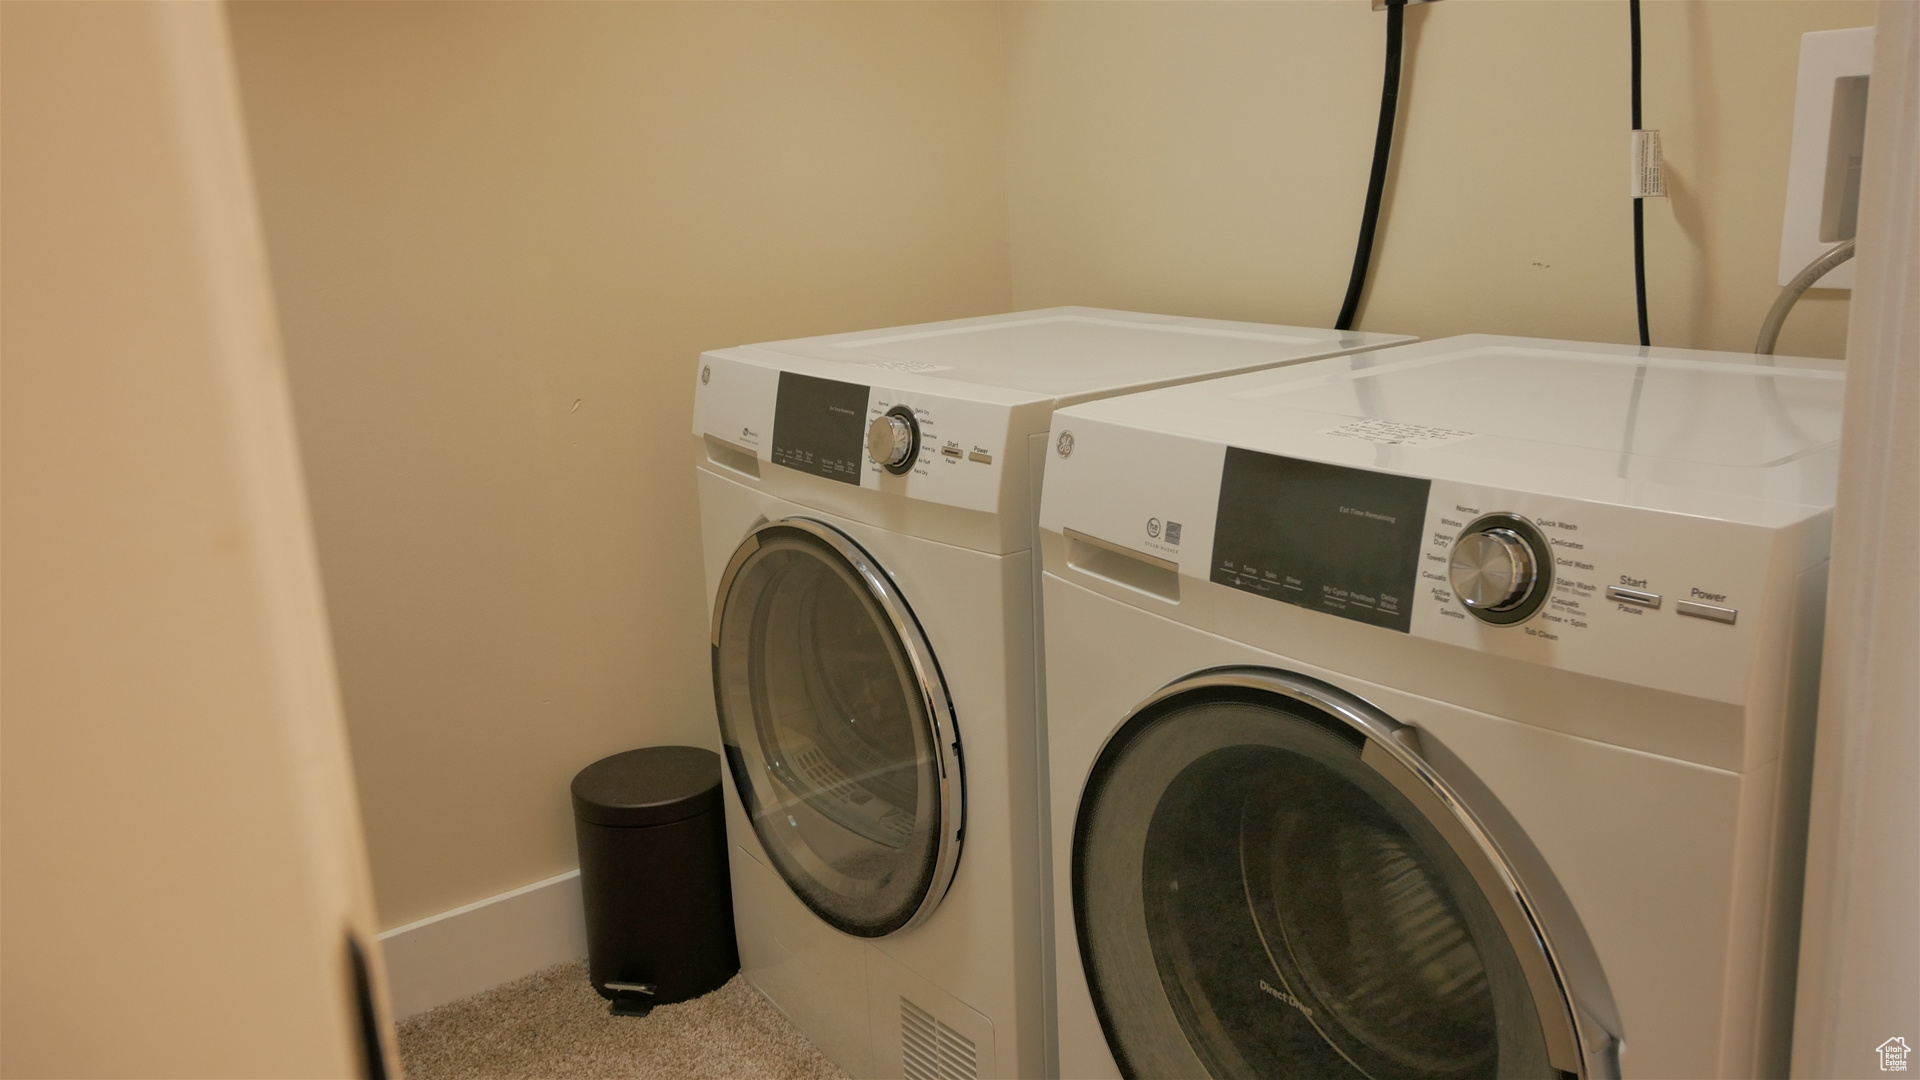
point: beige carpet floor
(552, 1026)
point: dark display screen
(820, 426)
(1339, 540)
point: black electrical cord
(1377, 181)
(1639, 204)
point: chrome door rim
(1577, 1014)
(928, 681)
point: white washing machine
(867, 508)
(1442, 711)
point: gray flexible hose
(1790, 294)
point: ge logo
(706, 374)
(1153, 528)
(1064, 445)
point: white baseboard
(448, 956)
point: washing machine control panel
(1660, 597)
(1316, 535)
(1590, 586)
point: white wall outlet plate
(1829, 124)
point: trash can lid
(655, 786)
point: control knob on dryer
(893, 439)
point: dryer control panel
(866, 434)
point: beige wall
(500, 235)
(1211, 159)
(183, 860)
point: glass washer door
(837, 728)
(1261, 887)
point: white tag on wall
(1649, 176)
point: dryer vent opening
(930, 1050)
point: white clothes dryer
(867, 508)
(1440, 712)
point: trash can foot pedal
(631, 999)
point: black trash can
(653, 876)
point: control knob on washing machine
(1496, 570)
(893, 439)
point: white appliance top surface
(1072, 353)
(1451, 408)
